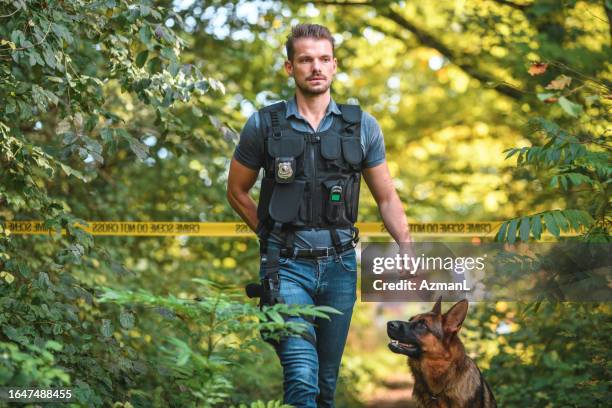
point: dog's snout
(393, 325)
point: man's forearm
(395, 219)
(246, 208)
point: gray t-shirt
(250, 152)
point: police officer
(313, 152)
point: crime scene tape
(239, 229)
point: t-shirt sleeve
(374, 143)
(250, 149)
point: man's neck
(312, 106)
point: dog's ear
(437, 309)
(453, 319)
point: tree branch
(609, 14)
(515, 6)
(430, 41)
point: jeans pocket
(349, 261)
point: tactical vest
(311, 180)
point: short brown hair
(307, 31)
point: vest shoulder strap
(350, 113)
(276, 112)
(278, 107)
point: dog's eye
(421, 324)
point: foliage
(558, 352)
(556, 357)
(65, 65)
(215, 336)
(576, 161)
(116, 110)
(35, 367)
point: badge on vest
(284, 169)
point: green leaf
(571, 108)
(551, 225)
(140, 149)
(536, 226)
(512, 230)
(275, 316)
(145, 34)
(546, 95)
(328, 309)
(524, 229)
(560, 220)
(72, 172)
(53, 345)
(106, 134)
(127, 320)
(49, 57)
(571, 216)
(141, 58)
(554, 181)
(501, 235)
(107, 328)
(563, 182)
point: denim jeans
(310, 372)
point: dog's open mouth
(403, 348)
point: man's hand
(407, 249)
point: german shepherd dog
(444, 376)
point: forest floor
(394, 392)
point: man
(313, 152)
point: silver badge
(284, 170)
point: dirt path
(394, 392)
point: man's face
(313, 66)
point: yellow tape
(238, 229)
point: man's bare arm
(380, 184)
(239, 182)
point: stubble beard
(312, 91)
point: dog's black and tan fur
(444, 376)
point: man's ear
(288, 67)
(437, 309)
(453, 319)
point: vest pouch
(351, 150)
(335, 196)
(285, 201)
(330, 146)
(286, 146)
(265, 194)
(352, 197)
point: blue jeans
(310, 372)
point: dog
(444, 376)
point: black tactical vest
(310, 180)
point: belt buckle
(320, 251)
